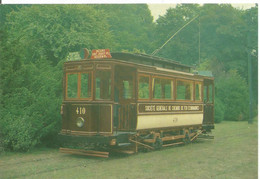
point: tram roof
(150, 60)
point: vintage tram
(127, 102)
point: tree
(131, 25)
(224, 41)
(38, 39)
(184, 46)
(51, 32)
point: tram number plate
(81, 110)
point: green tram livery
(128, 102)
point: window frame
(78, 85)
(192, 93)
(91, 94)
(201, 91)
(129, 91)
(95, 86)
(149, 87)
(172, 88)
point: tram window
(143, 87)
(198, 91)
(184, 90)
(85, 85)
(72, 85)
(103, 85)
(162, 88)
(128, 89)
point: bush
(31, 110)
(219, 111)
(18, 132)
(233, 92)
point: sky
(160, 9)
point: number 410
(81, 110)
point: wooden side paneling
(97, 118)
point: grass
(232, 154)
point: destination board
(100, 54)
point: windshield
(79, 85)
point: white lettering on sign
(169, 108)
(161, 108)
(81, 110)
(150, 108)
(193, 108)
(176, 108)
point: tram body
(134, 100)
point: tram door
(125, 95)
(208, 95)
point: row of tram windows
(160, 88)
(80, 86)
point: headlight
(80, 122)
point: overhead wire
(157, 50)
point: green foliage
(143, 88)
(184, 46)
(226, 35)
(35, 39)
(131, 25)
(32, 49)
(31, 111)
(233, 92)
(51, 32)
(219, 110)
(19, 132)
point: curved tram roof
(159, 63)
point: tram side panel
(154, 116)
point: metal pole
(199, 40)
(250, 120)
